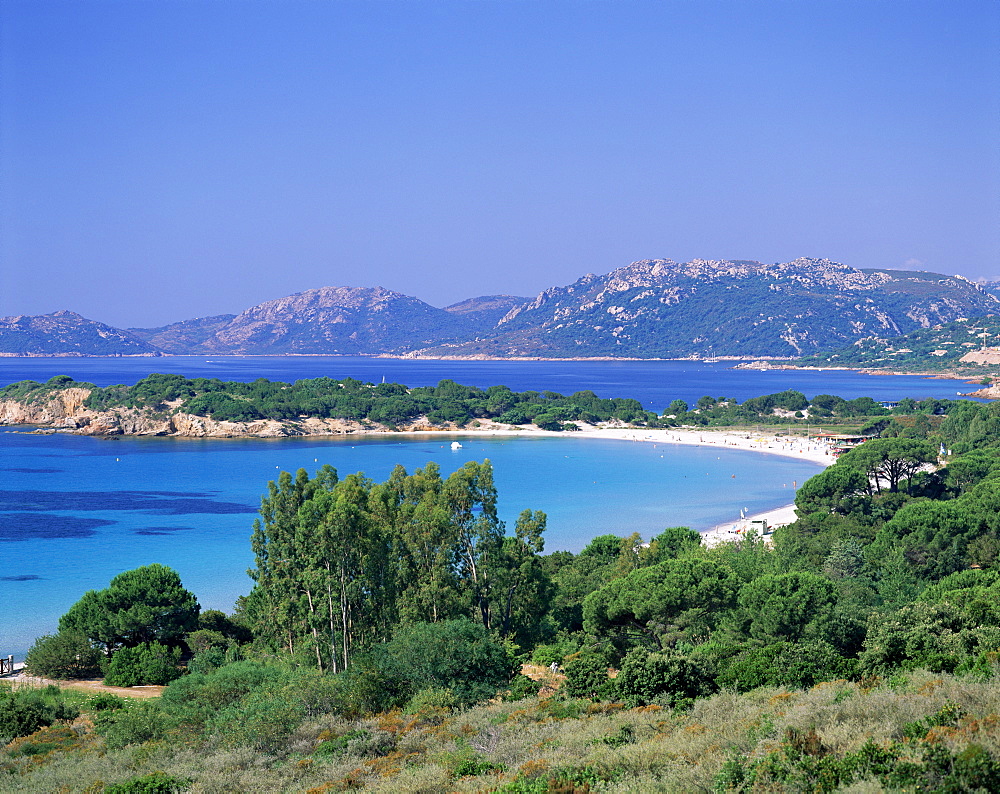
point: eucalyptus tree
(277, 606)
(340, 564)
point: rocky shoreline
(65, 412)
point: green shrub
(105, 701)
(553, 652)
(799, 665)
(522, 687)
(457, 655)
(147, 663)
(207, 660)
(432, 699)
(803, 763)
(68, 654)
(547, 422)
(154, 783)
(196, 698)
(587, 676)
(667, 677)
(261, 720)
(25, 711)
(330, 748)
(135, 723)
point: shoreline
(797, 447)
(772, 444)
(730, 531)
(760, 362)
(764, 443)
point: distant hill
(655, 308)
(662, 308)
(335, 320)
(483, 313)
(66, 333)
(186, 336)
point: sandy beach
(765, 443)
(815, 451)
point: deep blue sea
(76, 511)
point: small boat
(455, 445)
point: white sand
(766, 443)
(734, 530)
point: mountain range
(653, 308)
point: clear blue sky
(167, 160)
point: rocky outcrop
(65, 412)
(62, 408)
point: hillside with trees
(381, 644)
(950, 347)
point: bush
(522, 687)
(587, 676)
(261, 720)
(147, 663)
(135, 723)
(155, 783)
(68, 654)
(557, 651)
(660, 677)
(785, 664)
(24, 712)
(105, 701)
(513, 416)
(195, 698)
(207, 661)
(431, 700)
(547, 422)
(458, 655)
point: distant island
(654, 308)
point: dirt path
(543, 675)
(92, 686)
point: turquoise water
(76, 511)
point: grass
(520, 746)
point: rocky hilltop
(333, 321)
(654, 308)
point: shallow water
(76, 511)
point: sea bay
(76, 510)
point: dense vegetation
(391, 405)
(862, 648)
(935, 349)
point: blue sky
(167, 160)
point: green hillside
(936, 349)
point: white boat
(455, 445)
